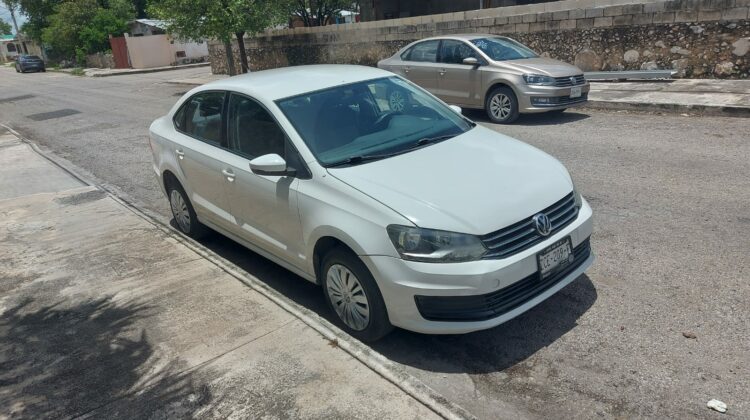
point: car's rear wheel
(352, 294)
(183, 212)
(502, 105)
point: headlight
(537, 79)
(428, 245)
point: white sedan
(416, 218)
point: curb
(154, 70)
(711, 110)
(370, 358)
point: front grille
(570, 80)
(558, 100)
(522, 235)
(491, 305)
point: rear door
(420, 64)
(198, 141)
(459, 83)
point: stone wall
(100, 61)
(698, 38)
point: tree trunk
(230, 57)
(243, 55)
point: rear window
(32, 57)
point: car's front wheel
(502, 105)
(183, 212)
(353, 295)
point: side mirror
(456, 108)
(472, 61)
(270, 165)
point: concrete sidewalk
(97, 72)
(712, 97)
(104, 314)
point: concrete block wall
(697, 38)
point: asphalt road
(672, 236)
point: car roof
(465, 37)
(291, 81)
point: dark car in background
(26, 63)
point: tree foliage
(80, 27)
(319, 12)
(219, 19)
(5, 28)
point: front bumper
(402, 283)
(558, 98)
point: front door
(459, 83)
(265, 208)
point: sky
(5, 15)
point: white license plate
(575, 92)
(555, 257)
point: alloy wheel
(500, 106)
(180, 210)
(348, 297)
(397, 101)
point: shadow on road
(492, 350)
(67, 360)
(545, 118)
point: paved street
(672, 234)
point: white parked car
(416, 218)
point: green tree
(320, 12)
(220, 19)
(5, 28)
(80, 27)
(37, 13)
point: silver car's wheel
(348, 297)
(500, 106)
(180, 210)
(397, 100)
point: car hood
(475, 183)
(543, 66)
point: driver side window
(252, 130)
(454, 52)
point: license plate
(555, 257)
(575, 92)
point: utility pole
(12, 9)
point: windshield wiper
(353, 160)
(428, 140)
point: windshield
(500, 49)
(370, 120)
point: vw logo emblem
(573, 80)
(542, 224)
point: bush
(78, 71)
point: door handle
(442, 72)
(406, 70)
(180, 154)
(229, 174)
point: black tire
(377, 326)
(193, 228)
(17, 71)
(501, 105)
(44, 70)
(398, 99)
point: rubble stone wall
(697, 38)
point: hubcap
(397, 101)
(348, 297)
(180, 210)
(500, 106)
